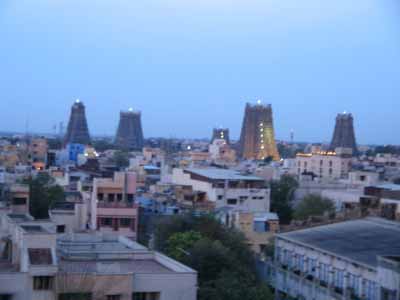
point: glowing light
(189, 147)
(258, 101)
(77, 101)
(130, 109)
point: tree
(312, 206)
(282, 192)
(121, 159)
(43, 193)
(179, 243)
(221, 256)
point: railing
(116, 205)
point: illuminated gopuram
(343, 135)
(129, 134)
(257, 139)
(220, 134)
(77, 131)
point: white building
(36, 263)
(326, 165)
(226, 187)
(357, 259)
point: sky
(191, 65)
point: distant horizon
(191, 66)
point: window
(74, 296)
(146, 296)
(19, 201)
(125, 222)
(113, 297)
(232, 201)
(119, 197)
(60, 228)
(354, 283)
(261, 226)
(130, 198)
(323, 273)
(100, 196)
(111, 197)
(5, 297)
(42, 283)
(106, 222)
(220, 197)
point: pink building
(113, 207)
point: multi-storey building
(224, 187)
(113, 206)
(357, 259)
(36, 263)
(326, 165)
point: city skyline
(109, 55)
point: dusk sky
(191, 65)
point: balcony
(102, 204)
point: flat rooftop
(114, 266)
(222, 174)
(360, 241)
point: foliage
(282, 192)
(43, 193)
(313, 205)
(179, 242)
(121, 159)
(224, 261)
(102, 145)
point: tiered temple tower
(130, 133)
(220, 134)
(344, 136)
(77, 131)
(257, 139)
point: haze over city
(189, 66)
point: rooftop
(223, 174)
(114, 266)
(360, 241)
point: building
(38, 149)
(130, 133)
(259, 228)
(19, 198)
(343, 135)
(324, 164)
(36, 263)
(113, 205)
(220, 134)
(257, 139)
(224, 187)
(357, 259)
(77, 131)
(221, 152)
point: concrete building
(224, 187)
(357, 259)
(36, 263)
(38, 149)
(326, 165)
(258, 228)
(19, 198)
(113, 207)
(221, 152)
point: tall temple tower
(130, 133)
(77, 131)
(257, 139)
(343, 135)
(220, 134)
